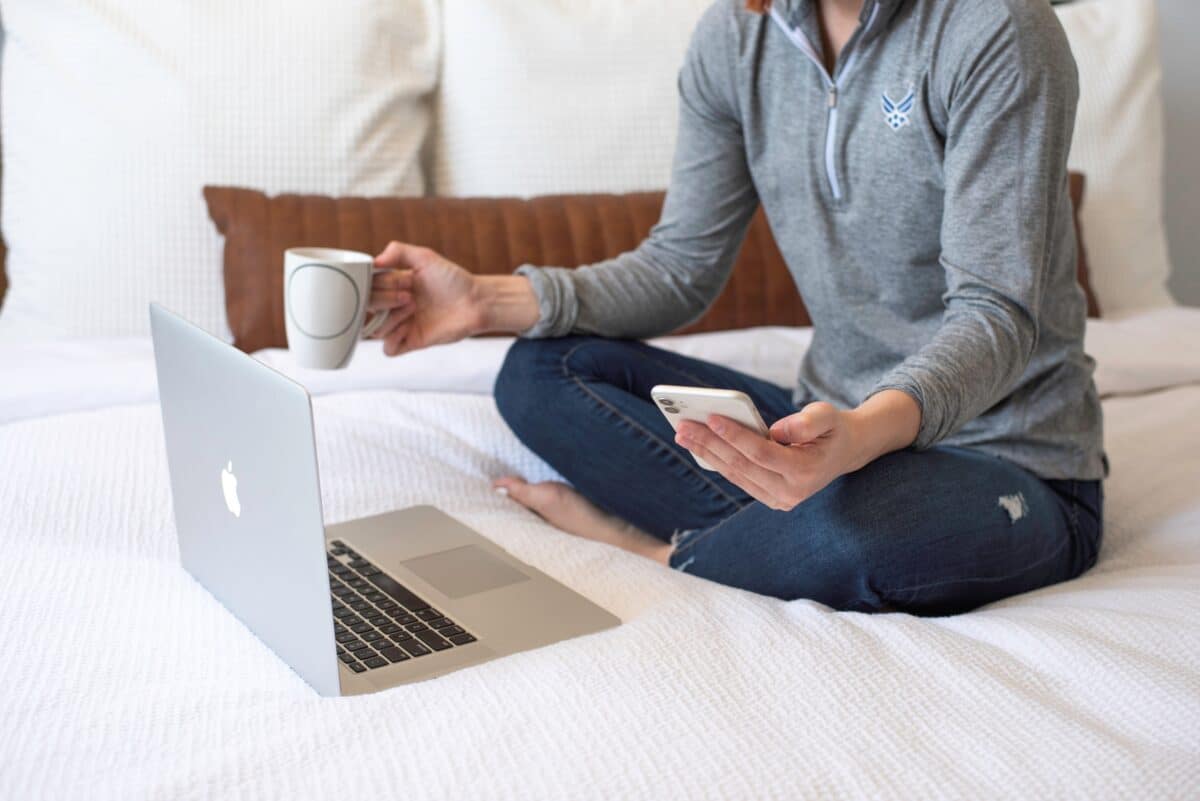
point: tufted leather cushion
(1077, 184)
(485, 235)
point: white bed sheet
(44, 378)
(124, 679)
(1149, 350)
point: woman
(943, 446)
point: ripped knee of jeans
(1015, 505)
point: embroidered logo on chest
(895, 113)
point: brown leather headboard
(1078, 184)
(486, 235)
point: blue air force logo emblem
(896, 114)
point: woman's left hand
(807, 450)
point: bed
(124, 679)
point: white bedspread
(122, 678)
(1151, 350)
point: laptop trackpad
(464, 571)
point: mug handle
(376, 321)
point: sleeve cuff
(558, 306)
(928, 434)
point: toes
(561, 505)
(507, 485)
(518, 489)
(540, 496)
(503, 486)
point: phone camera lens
(671, 410)
(666, 402)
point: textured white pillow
(117, 112)
(1119, 147)
(545, 96)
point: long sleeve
(1010, 106)
(679, 270)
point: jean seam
(1077, 533)
(650, 357)
(1006, 577)
(699, 381)
(1074, 516)
(647, 434)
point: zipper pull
(833, 97)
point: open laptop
(354, 607)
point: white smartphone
(697, 403)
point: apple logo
(229, 488)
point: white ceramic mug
(325, 295)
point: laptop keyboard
(378, 621)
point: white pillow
(1119, 146)
(546, 96)
(117, 112)
(551, 96)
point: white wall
(1181, 67)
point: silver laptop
(354, 607)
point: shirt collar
(801, 14)
(797, 10)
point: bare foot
(561, 506)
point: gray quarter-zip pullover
(919, 197)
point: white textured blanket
(1153, 349)
(122, 678)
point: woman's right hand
(430, 300)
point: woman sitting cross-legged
(942, 448)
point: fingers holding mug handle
(372, 326)
(375, 323)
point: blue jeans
(933, 532)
